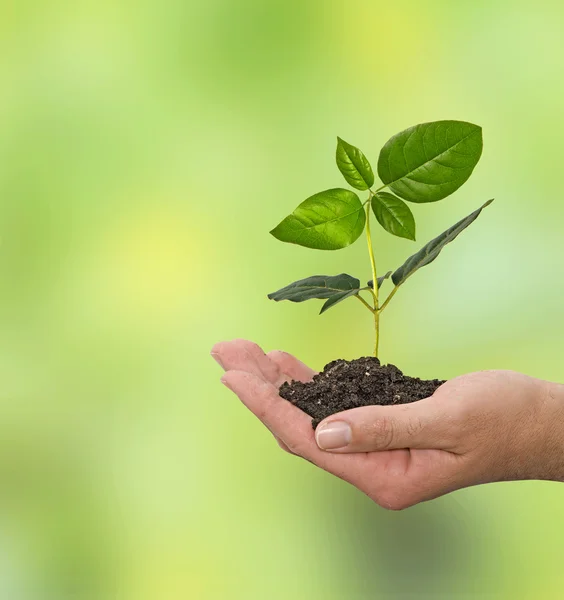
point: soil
(361, 382)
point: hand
(479, 428)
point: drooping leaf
(428, 162)
(354, 166)
(394, 215)
(432, 249)
(336, 299)
(380, 280)
(330, 220)
(333, 288)
(316, 286)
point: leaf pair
(392, 213)
(334, 288)
(338, 288)
(424, 163)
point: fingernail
(217, 359)
(225, 383)
(333, 435)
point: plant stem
(388, 298)
(365, 303)
(374, 280)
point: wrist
(549, 445)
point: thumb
(422, 424)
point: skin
(479, 428)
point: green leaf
(335, 288)
(428, 162)
(380, 280)
(329, 220)
(354, 166)
(431, 250)
(394, 215)
(336, 299)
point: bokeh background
(146, 149)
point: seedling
(424, 163)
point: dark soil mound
(362, 382)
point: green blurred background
(146, 149)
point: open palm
(393, 478)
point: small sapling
(422, 164)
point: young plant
(424, 163)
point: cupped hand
(478, 428)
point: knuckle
(413, 427)
(295, 447)
(380, 433)
(283, 446)
(449, 421)
(249, 347)
(255, 350)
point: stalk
(396, 288)
(374, 279)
